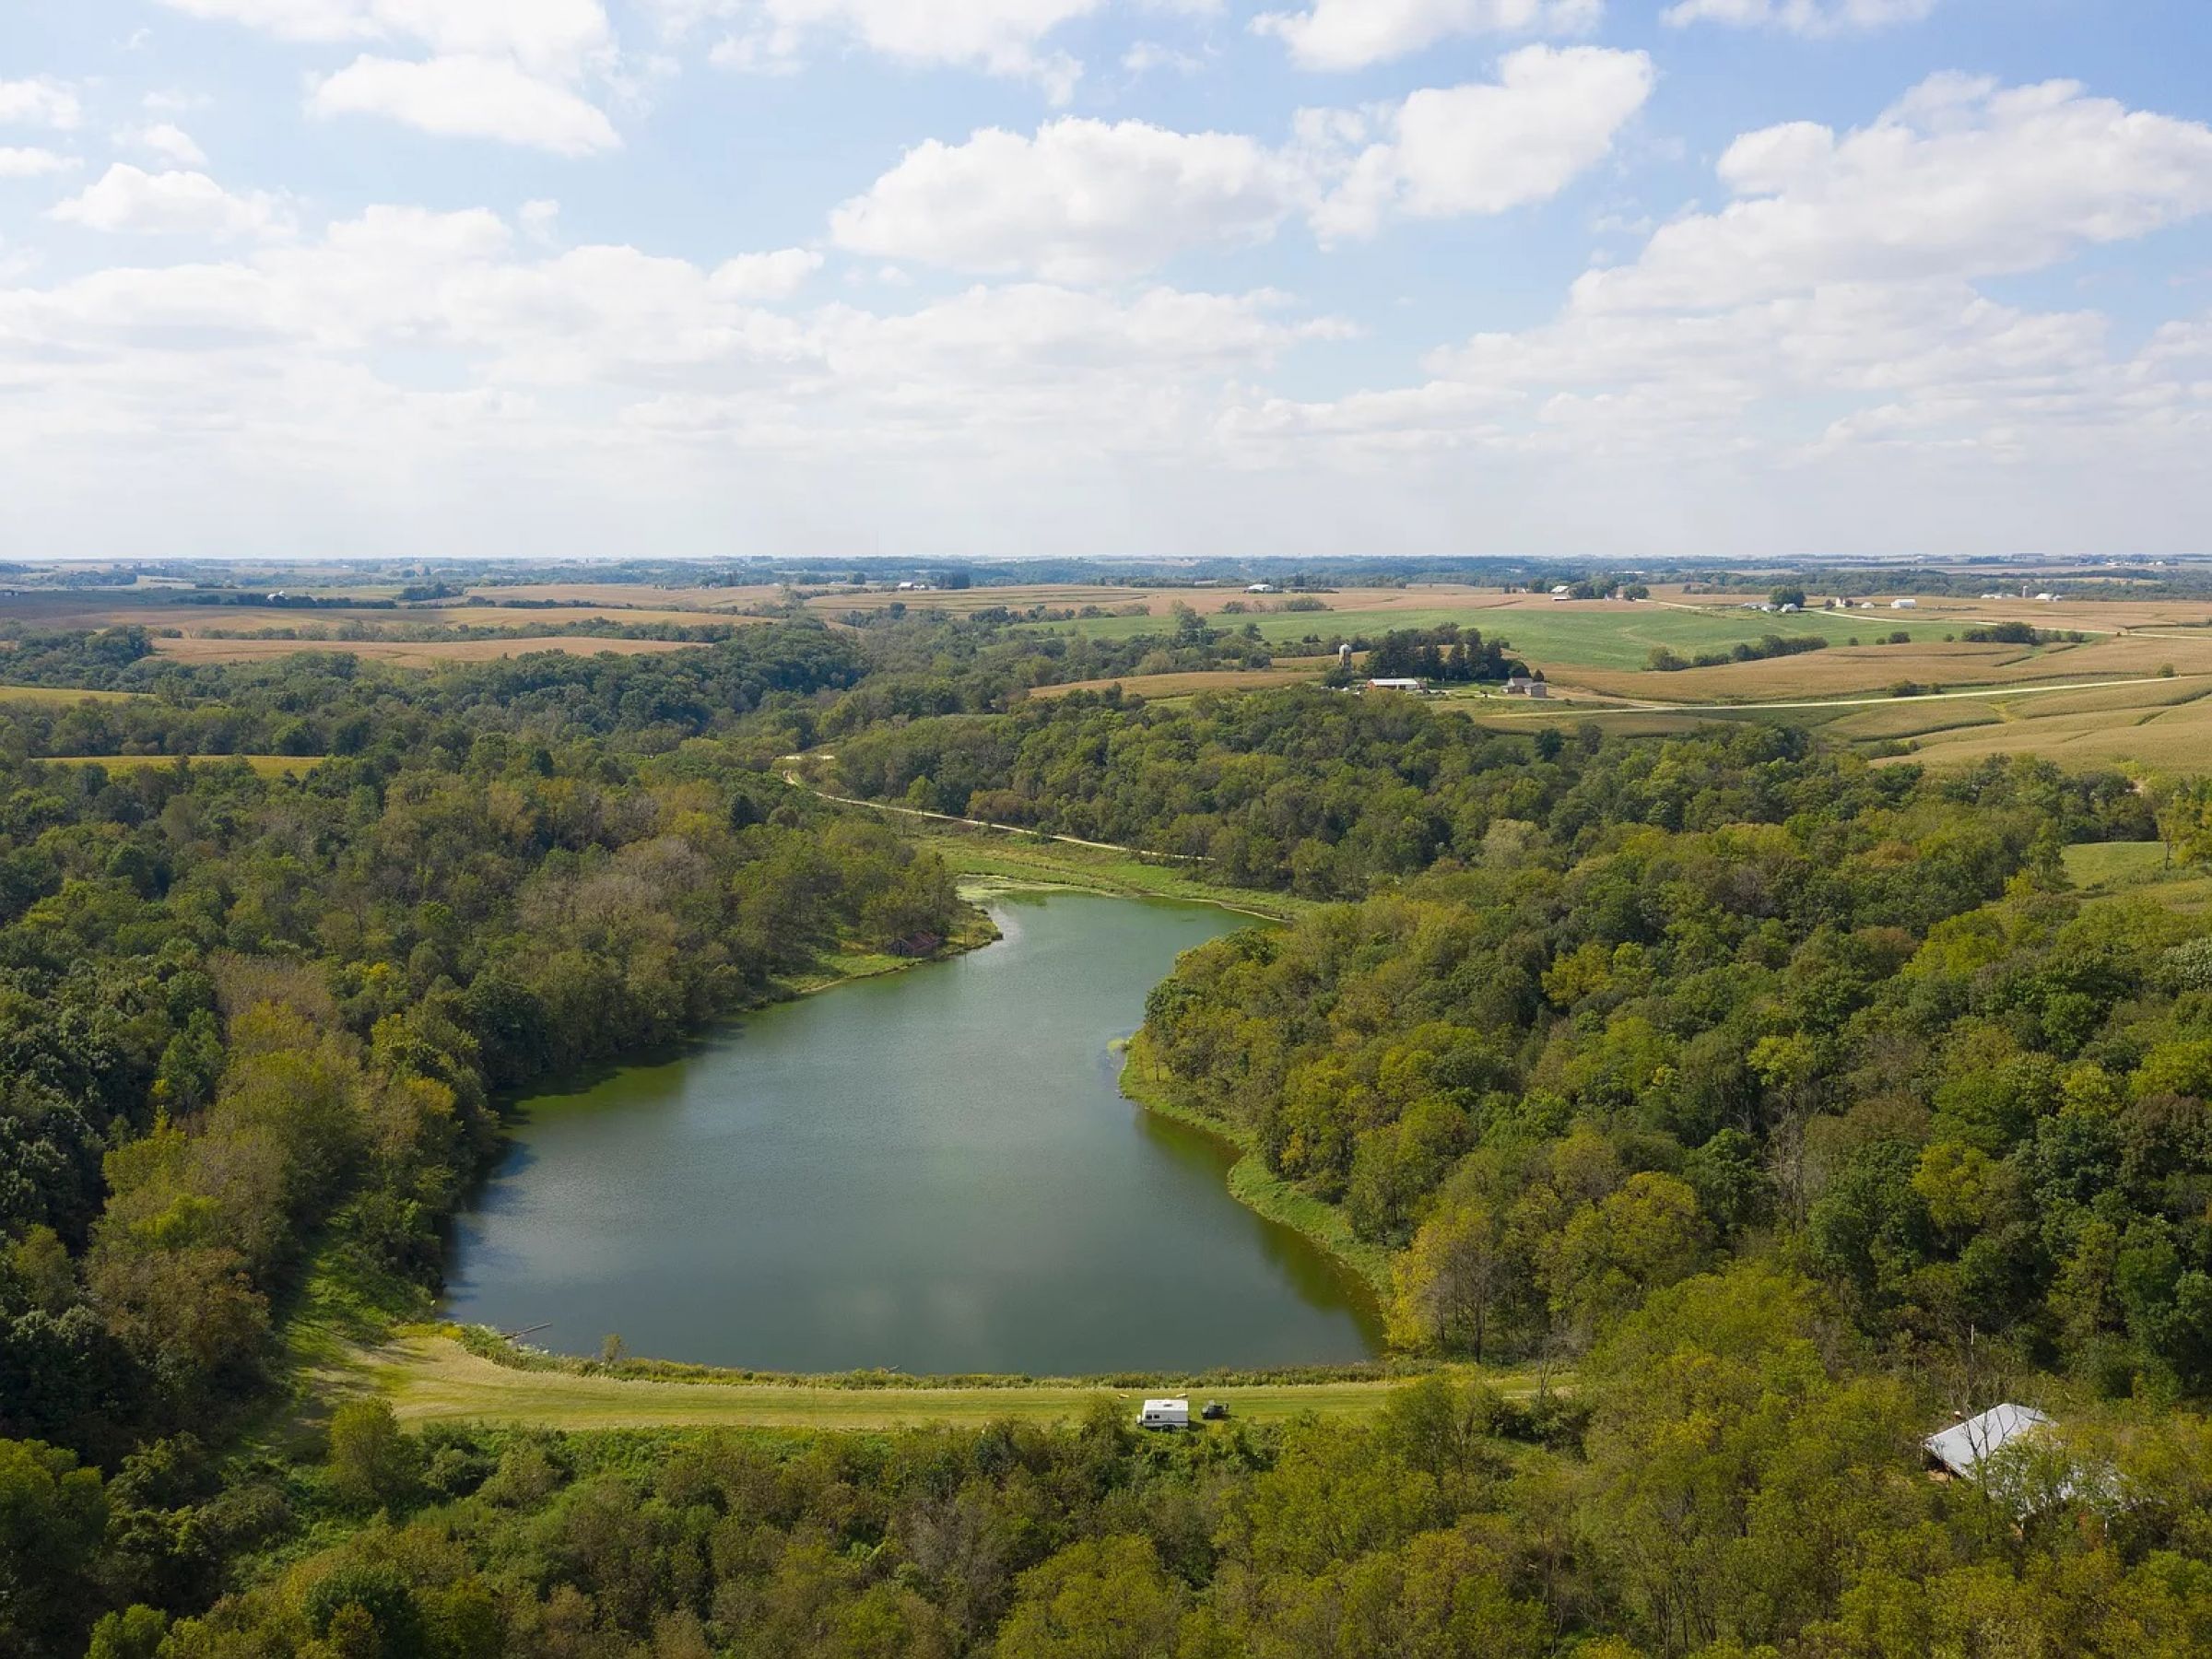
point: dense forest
(1767, 1105)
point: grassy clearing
(992, 861)
(268, 766)
(2114, 864)
(2112, 870)
(429, 1377)
(55, 697)
(1253, 1184)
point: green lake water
(931, 1172)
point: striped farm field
(409, 654)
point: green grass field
(991, 859)
(268, 766)
(429, 1377)
(57, 697)
(1548, 634)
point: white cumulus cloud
(1090, 201)
(469, 98)
(1082, 201)
(1961, 178)
(29, 162)
(42, 102)
(1352, 34)
(1800, 16)
(165, 140)
(508, 70)
(999, 37)
(1552, 114)
(128, 200)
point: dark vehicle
(1214, 1411)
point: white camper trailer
(1165, 1414)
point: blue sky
(1614, 277)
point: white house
(1904, 605)
(1412, 686)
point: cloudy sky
(1616, 278)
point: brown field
(626, 595)
(406, 653)
(489, 616)
(2087, 615)
(1190, 684)
(1914, 717)
(2154, 735)
(1161, 602)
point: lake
(933, 1171)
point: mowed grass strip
(432, 1379)
(58, 697)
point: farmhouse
(1527, 684)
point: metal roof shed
(1964, 1447)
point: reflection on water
(933, 1171)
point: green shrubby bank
(1789, 1103)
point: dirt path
(796, 782)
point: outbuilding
(1413, 687)
(1965, 1446)
(1904, 605)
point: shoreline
(1258, 1188)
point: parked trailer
(1165, 1414)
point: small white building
(1562, 592)
(1965, 1446)
(1262, 587)
(1165, 1414)
(1413, 687)
(1904, 605)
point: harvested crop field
(627, 596)
(1869, 670)
(2159, 735)
(408, 654)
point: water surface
(933, 1171)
